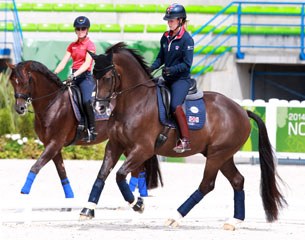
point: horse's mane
(41, 68)
(121, 46)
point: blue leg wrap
(142, 185)
(28, 183)
(125, 190)
(67, 188)
(239, 204)
(190, 203)
(133, 182)
(96, 190)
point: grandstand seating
(117, 24)
(158, 28)
(153, 8)
(150, 8)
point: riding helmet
(81, 21)
(175, 11)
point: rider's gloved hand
(71, 78)
(166, 71)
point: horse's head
(20, 79)
(31, 81)
(118, 71)
(102, 73)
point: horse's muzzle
(21, 109)
(101, 106)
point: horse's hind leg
(207, 184)
(138, 178)
(236, 180)
(60, 167)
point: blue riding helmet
(175, 11)
(81, 21)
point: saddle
(76, 96)
(193, 106)
(193, 94)
(77, 106)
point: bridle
(115, 81)
(114, 78)
(28, 99)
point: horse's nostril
(20, 109)
(102, 109)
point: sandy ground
(39, 215)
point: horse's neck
(44, 93)
(44, 87)
(138, 98)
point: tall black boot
(91, 121)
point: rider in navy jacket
(176, 53)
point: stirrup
(182, 146)
(91, 135)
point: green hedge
(16, 146)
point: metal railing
(234, 21)
(11, 37)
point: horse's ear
(93, 55)
(109, 56)
(11, 66)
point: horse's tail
(153, 172)
(272, 198)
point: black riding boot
(91, 121)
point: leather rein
(28, 99)
(115, 76)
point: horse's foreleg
(44, 158)
(110, 159)
(236, 180)
(131, 164)
(207, 184)
(60, 167)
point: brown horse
(55, 123)
(135, 126)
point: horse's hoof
(86, 214)
(139, 206)
(229, 227)
(231, 224)
(171, 223)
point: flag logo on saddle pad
(193, 119)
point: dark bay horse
(55, 123)
(135, 126)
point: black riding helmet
(81, 21)
(175, 11)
